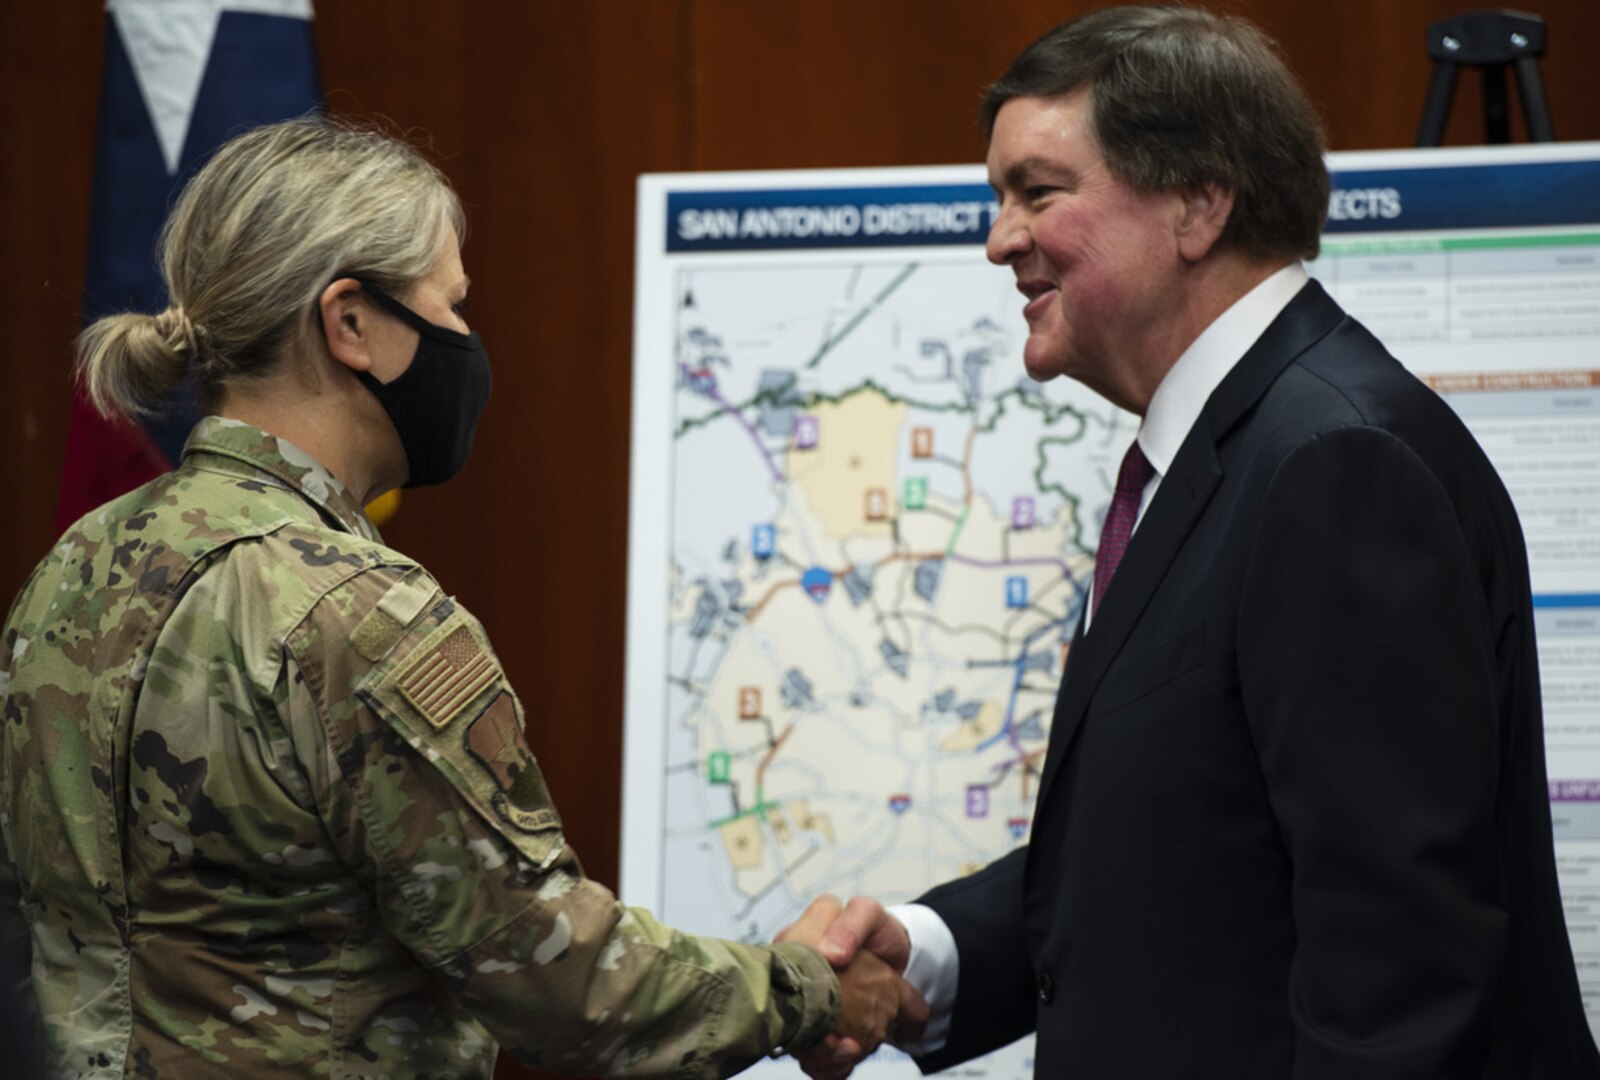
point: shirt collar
(236, 447)
(1177, 402)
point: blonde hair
(275, 216)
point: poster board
(860, 535)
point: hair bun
(178, 330)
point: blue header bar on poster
(775, 220)
(1506, 195)
(1511, 195)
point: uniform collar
(233, 446)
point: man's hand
(864, 924)
(869, 948)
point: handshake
(869, 949)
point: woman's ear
(346, 323)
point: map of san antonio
(877, 563)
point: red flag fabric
(104, 459)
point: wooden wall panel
(794, 83)
(49, 94)
(1365, 65)
(822, 83)
(543, 113)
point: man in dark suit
(1294, 820)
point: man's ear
(1205, 215)
(347, 323)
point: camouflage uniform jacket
(267, 810)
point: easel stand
(1492, 41)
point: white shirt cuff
(933, 971)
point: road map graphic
(880, 534)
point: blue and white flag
(180, 77)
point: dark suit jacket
(1294, 820)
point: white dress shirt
(934, 966)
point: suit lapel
(1183, 494)
(1179, 501)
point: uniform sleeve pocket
(449, 699)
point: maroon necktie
(1135, 473)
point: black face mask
(435, 403)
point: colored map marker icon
(763, 539)
(717, 767)
(817, 582)
(806, 431)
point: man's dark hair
(1181, 98)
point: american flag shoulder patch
(445, 677)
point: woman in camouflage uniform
(265, 801)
